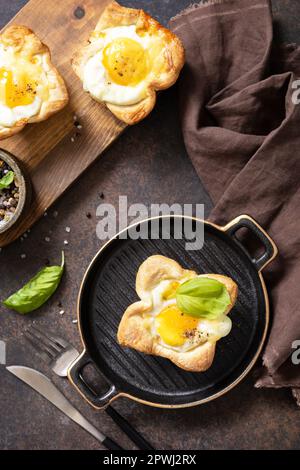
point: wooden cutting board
(55, 152)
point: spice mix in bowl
(14, 190)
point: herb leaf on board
(38, 290)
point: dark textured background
(148, 164)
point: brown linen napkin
(242, 132)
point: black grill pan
(108, 289)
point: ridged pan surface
(110, 288)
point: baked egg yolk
(170, 291)
(126, 61)
(19, 90)
(174, 326)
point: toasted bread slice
(132, 331)
(169, 58)
(24, 45)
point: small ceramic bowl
(24, 189)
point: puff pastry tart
(129, 57)
(31, 88)
(159, 324)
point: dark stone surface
(148, 164)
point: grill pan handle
(76, 377)
(245, 221)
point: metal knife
(41, 384)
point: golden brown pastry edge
(21, 38)
(132, 333)
(117, 15)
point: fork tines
(45, 344)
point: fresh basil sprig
(38, 290)
(203, 297)
(6, 180)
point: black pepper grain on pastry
(181, 315)
(129, 57)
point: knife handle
(89, 427)
(110, 444)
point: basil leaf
(203, 297)
(6, 180)
(37, 291)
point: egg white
(10, 116)
(207, 330)
(96, 79)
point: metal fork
(59, 354)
